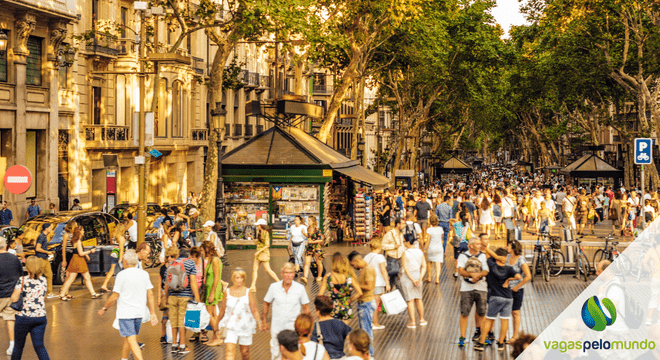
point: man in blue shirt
(41, 251)
(33, 210)
(443, 212)
(6, 216)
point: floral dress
(34, 291)
(341, 297)
(312, 249)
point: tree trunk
(207, 202)
(338, 97)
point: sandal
(69, 296)
(203, 338)
(163, 340)
(96, 296)
(303, 280)
(423, 323)
(510, 341)
(104, 290)
(319, 279)
(253, 289)
(411, 326)
(64, 298)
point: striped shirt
(191, 269)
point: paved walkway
(76, 332)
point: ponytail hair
(304, 324)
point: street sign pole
(643, 156)
(141, 209)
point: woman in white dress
(486, 218)
(239, 315)
(209, 228)
(435, 253)
(413, 268)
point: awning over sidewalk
(364, 175)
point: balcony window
(62, 79)
(248, 130)
(3, 61)
(31, 161)
(160, 124)
(122, 100)
(96, 103)
(177, 109)
(238, 130)
(124, 22)
(33, 71)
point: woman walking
(313, 250)
(32, 319)
(117, 255)
(616, 213)
(497, 214)
(78, 265)
(485, 215)
(212, 236)
(196, 255)
(262, 256)
(298, 235)
(333, 331)
(376, 259)
(339, 283)
(435, 252)
(239, 315)
(214, 289)
(460, 233)
(310, 350)
(414, 268)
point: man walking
(41, 251)
(473, 289)
(6, 217)
(287, 298)
(422, 209)
(393, 246)
(194, 225)
(33, 210)
(10, 271)
(443, 212)
(366, 302)
(180, 287)
(132, 291)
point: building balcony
(252, 80)
(323, 89)
(103, 46)
(107, 136)
(199, 137)
(198, 65)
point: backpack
(473, 264)
(177, 280)
(634, 310)
(612, 214)
(582, 205)
(410, 235)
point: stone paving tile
(76, 332)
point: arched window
(160, 121)
(178, 107)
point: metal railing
(253, 79)
(323, 89)
(107, 132)
(264, 81)
(248, 130)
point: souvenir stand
(362, 217)
(453, 168)
(279, 174)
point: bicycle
(611, 253)
(555, 256)
(540, 260)
(638, 270)
(582, 263)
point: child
(11, 248)
(500, 296)
(593, 217)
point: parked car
(183, 208)
(8, 231)
(121, 210)
(98, 227)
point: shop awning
(591, 166)
(454, 165)
(361, 174)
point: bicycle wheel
(557, 263)
(152, 259)
(622, 265)
(584, 267)
(545, 268)
(534, 263)
(598, 256)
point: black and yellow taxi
(99, 228)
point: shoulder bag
(202, 289)
(18, 305)
(319, 335)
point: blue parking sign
(643, 151)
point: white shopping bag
(197, 318)
(393, 302)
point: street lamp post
(218, 115)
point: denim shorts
(478, 298)
(129, 327)
(499, 306)
(518, 299)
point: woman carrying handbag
(31, 318)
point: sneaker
(183, 350)
(488, 342)
(461, 341)
(10, 350)
(379, 327)
(477, 335)
(141, 345)
(491, 336)
(175, 349)
(500, 346)
(479, 347)
(50, 296)
(455, 275)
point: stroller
(292, 259)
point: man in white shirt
(568, 206)
(536, 206)
(473, 289)
(287, 298)
(507, 209)
(132, 232)
(133, 290)
(559, 198)
(633, 202)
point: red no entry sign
(18, 179)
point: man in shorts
(422, 209)
(133, 292)
(473, 289)
(500, 297)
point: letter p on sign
(643, 151)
